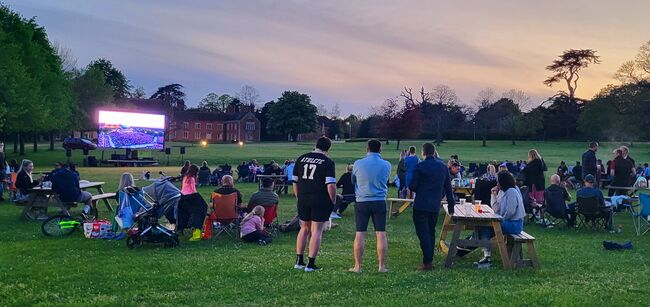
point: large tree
(114, 77)
(248, 95)
(400, 120)
(172, 96)
(292, 114)
(91, 92)
(568, 66)
(443, 99)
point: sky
(354, 53)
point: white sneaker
(299, 266)
(335, 215)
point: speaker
(68, 153)
(168, 151)
(128, 154)
(182, 150)
(85, 151)
(92, 161)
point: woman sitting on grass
(192, 207)
(252, 227)
(507, 202)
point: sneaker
(261, 242)
(312, 269)
(299, 266)
(335, 215)
(196, 235)
(425, 267)
(84, 216)
(485, 260)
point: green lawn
(77, 271)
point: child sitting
(252, 227)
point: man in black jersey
(314, 184)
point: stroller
(158, 199)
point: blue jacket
(410, 162)
(591, 192)
(66, 184)
(589, 163)
(431, 181)
(370, 177)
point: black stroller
(155, 200)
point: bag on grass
(611, 245)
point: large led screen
(131, 130)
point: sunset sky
(356, 53)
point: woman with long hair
(25, 182)
(185, 167)
(191, 207)
(506, 201)
(252, 227)
(491, 173)
(534, 175)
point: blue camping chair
(641, 223)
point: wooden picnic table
(395, 208)
(466, 218)
(44, 195)
(279, 180)
(467, 191)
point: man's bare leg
(359, 243)
(382, 250)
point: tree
(68, 60)
(210, 103)
(485, 115)
(335, 112)
(91, 91)
(442, 98)
(172, 95)
(400, 121)
(248, 95)
(114, 77)
(292, 114)
(235, 106)
(139, 93)
(321, 110)
(519, 98)
(567, 68)
(636, 70)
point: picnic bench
(465, 217)
(44, 198)
(398, 205)
(514, 244)
(279, 181)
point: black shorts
(365, 210)
(316, 210)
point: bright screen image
(131, 130)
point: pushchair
(155, 200)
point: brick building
(194, 126)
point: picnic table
(465, 217)
(395, 207)
(279, 181)
(467, 191)
(44, 197)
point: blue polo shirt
(370, 177)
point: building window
(186, 125)
(220, 127)
(197, 126)
(208, 126)
(208, 135)
(186, 134)
(250, 125)
(174, 135)
(197, 135)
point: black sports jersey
(313, 172)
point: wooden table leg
(393, 209)
(443, 233)
(501, 244)
(454, 243)
(100, 190)
(404, 206)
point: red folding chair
(224, 216)
(271, 219)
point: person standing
(431, 181)
(589, 161)
(626, 155)
(409, 162)
(534, 176)
(401, 174)
(370, 177)
(314, 185)
(621, 168)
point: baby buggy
(149, 205)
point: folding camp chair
(641, 222)
(271, 219)
(224, 216)
(589, 212)
(555, 207)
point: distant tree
(172, 95)
(485, 115)
(636, 70)
(442, 98)
(568, 67)
(210, 103)
(321, 110)
(248, 95)
(114, 77)
(400, 121)
(335, 112)
(235, 105)
(68, 60)
(139, 93)
(262, 115)
(91, 92)
(292, 114)
(518, 97)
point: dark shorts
(314, 210)
(364, 211)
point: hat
(590, 178)
(455, 163)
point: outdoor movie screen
(131, 130)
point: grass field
(35, 270)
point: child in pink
(252, 227)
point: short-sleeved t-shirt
(313, 172)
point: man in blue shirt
(370, 177)
(431, 181)
(409, 162)
(589, 191)
(65, 183)
(589, 161)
